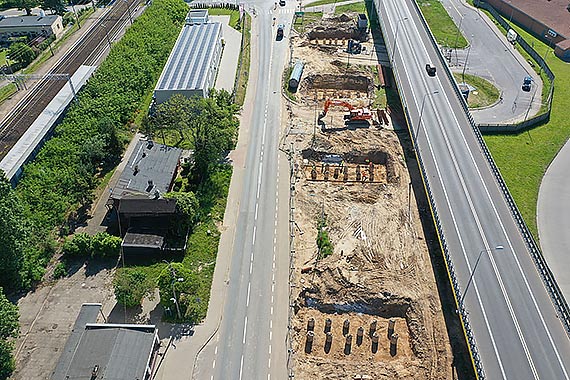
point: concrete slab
(230, 55)
(25, 148)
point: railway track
(87, 50)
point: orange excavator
(354, 114)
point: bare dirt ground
(380, 267)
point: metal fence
(533, 121)
(547, 276)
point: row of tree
(88, 142)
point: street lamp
(76, 16)
(498, 248)
(174, 279)
(395, 39)
(129, 11)
(44, 32)
(457, 38)
(422, 112)
(466, 59)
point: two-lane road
(514, 323)
(250, 343)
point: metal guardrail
(545, 272)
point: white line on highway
(268, 376)
(258, 188)
(270, 335)
(269, 362)
(446, 197)
(273, 276)
(248, 291)
(272, 298)
(256, 208)
(216, 350)
(250, 267)
(272, 287)
(493, 262)
(253, 237)
(244, 328)
(214, 364)
(260, 171)
(271, 310)
(270, 350)
(241, 367)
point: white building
(193, 63)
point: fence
(533, 121)
(546, 274)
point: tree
(56, 6)
(186, 285)
(8, 330)
(171, 115)
(14, 234)
(27, 5)
(21, 53)
(132, 286)
(186, 204)
(214, 130)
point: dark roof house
(107, 351)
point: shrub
(132, 286)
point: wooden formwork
(336, 173)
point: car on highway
(280, 29)
(430, 69)
(526, 84)
(282, 3)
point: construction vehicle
(354, 114)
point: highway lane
(250, 343)
(513, 320)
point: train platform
(32, 140)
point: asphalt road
(250, 343)
(492, 57)
(513, 320)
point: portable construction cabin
(295, 78)
(193, 63)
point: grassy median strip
(484, 94)
(245, 60)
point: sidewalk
(182, 359)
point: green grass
(300, 22)
(321, 2)
(486, 95)
(441, 25)
(234, 15)
(523, 158)
(245, 59)
(355, 7)
(7, 91)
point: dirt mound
(355, 82)
(342, 27)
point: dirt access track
(379, 272)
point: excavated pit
(350, 82)
(337, 27)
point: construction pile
(366, 306)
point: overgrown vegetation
(9, 328)
(99, 245)
(445, 31)
(244, 62)
(131, 286)
(323, 241)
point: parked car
(430, 69)
(526, 84)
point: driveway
(492, 57)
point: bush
(59, 271)
(323, 240)
(186, 285)
(132, 286)
(101, 244)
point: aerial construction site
(366, 303)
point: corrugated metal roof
(10, 22)
(192, 55)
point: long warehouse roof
(192, 55)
